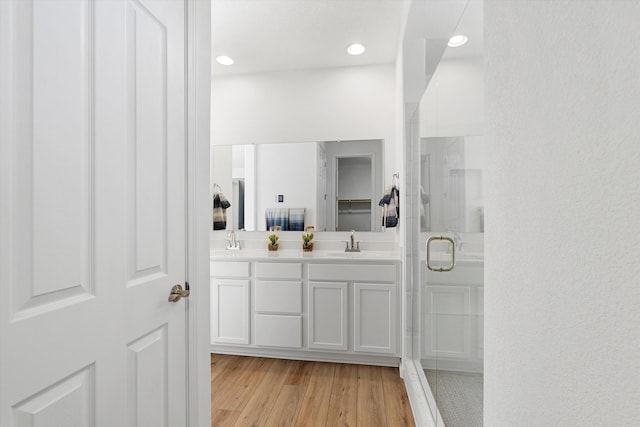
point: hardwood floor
(255, 391)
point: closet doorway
(354, 185)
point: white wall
(348, 103)
(563, 213)
(290, 170)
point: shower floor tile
(458, 395)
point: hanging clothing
(220, 206)
(391, 207)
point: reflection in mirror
(333, 185)
(451, 184)
(299, 89)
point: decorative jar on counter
(307, 238)
(274, 236)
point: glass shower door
(452, 275)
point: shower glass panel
(451, 345)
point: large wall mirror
(297, 122)
(334, 185)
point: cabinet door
(448, 331)
(328, 315)
(375, 318)
(230, 316)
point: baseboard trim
(315, 356)
(423, 404)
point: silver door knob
(177, 292)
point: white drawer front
(279, 331)
(278, 270)
(279, 297)
(361, 272)
(229, 269)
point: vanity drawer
(278, 270)
(279, 330)
(229, 269)
(278, 297)
(353, 272)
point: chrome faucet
(355, 246)
(233, 245)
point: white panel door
(92, 213)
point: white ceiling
(270, 35)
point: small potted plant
(307, 239)
(273, 238)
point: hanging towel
(424, 201)
(296, 219)
(391, 207)
(220, 206)
(277, 216)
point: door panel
(375, 318)
(147, 135)
(328, 315)
(53, 251)
(70, 400)
(92, 191)
(147, 386)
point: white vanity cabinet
(453, 319)
(230, 302)
(307, 308)
(361, 295)
(278, 304)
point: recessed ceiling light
(224, 60)
(355, 49)
(457, 40)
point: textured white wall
(563, 213)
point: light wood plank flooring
(255, 391)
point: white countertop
(299, 255)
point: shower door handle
(453, 253)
